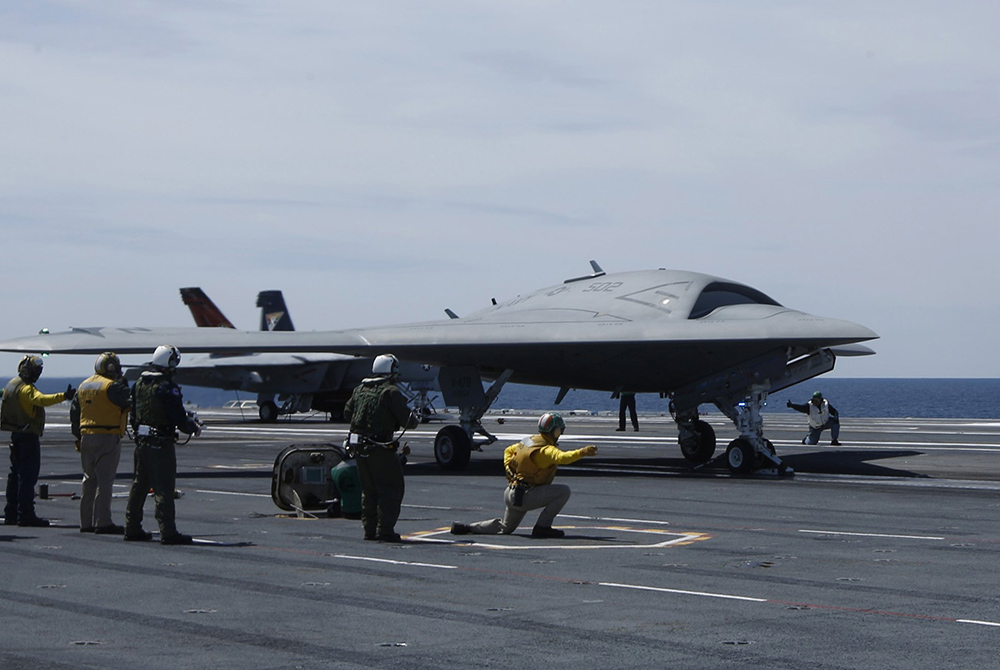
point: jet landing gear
(452, 448)
(742, 457)
(267, 411)
(751, 451)
(463, 387)
(697, 439)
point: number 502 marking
(602, 286)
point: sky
(382, 161)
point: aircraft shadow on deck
(852, 463)
(821, 462)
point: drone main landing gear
(463, 387)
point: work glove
(589, 450)
(788, 404)
(70, 392)
(193, 416)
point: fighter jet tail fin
(204, 311)
(273, 313)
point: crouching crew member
(157, 412)
(376, 410)
(97, 417)
(531, 466)
(22, 412)
(822, 415)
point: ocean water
(918, 398)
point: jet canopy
(725, 294)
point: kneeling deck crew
(530, 466)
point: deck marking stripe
(682, 592)
(392, 562)
(233, 493)
(898, 537)
(653, 589)
(611, 518)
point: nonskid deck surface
(877, 553)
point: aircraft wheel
(268, 412)
(452, 448)
(698, 444)
(740, 456)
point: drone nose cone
(835, 331)
(855, 331)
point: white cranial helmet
(166, 357)
(385, 365)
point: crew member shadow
(477, 467)
(125, 475)
(523, 538)
(15, 538)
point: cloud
(381, 161)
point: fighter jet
(300, 382)
(203, 310)
(273, 312)
(696, 338)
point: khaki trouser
(550, 498)
(99, 455)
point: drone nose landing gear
(749, 453)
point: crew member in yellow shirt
(97, 418)
(22, 412)
(530, 466)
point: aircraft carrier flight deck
(880, 552)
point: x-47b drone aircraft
(694, 337)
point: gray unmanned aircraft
(694, 337)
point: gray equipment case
(301, 478)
